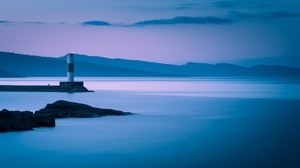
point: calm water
(179, 122)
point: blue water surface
(178, 122)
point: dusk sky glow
(174, 31)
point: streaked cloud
(186, 20)
(249, 5)
(96, 23)
(4, 21)
(280, 14)
(33, 22)
(223, 4)
(187, 6)
(263, 16)
(7, 22)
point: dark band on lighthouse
(70, 67)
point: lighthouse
(71, 85)
(70, 65)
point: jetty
(64, 86)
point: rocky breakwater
(26, 120)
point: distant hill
(94, 66)
(31, 66)
(194, 69)
(36, 66)
(231, 70)
(280, 61)
(4, 74)
(132, 64)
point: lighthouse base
(72, 87)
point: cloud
(240, 4)
(242, 15)
(186, 6)
(33, 22)
(263, 16)
(96, 23)
(4, 21)
(281, 14)
(186, 20)
(223, 4)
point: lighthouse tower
(70, 64)
(71, 85)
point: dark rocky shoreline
(45, 117)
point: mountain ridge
(37, 66)
(290, 61)
(96, 66)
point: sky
(176, 31)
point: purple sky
(152, 30)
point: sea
(178, 123)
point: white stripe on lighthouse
(70, 62)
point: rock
(13, 121)
(26, 120)
(65, 109)
(44, 120)
(23, 121)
